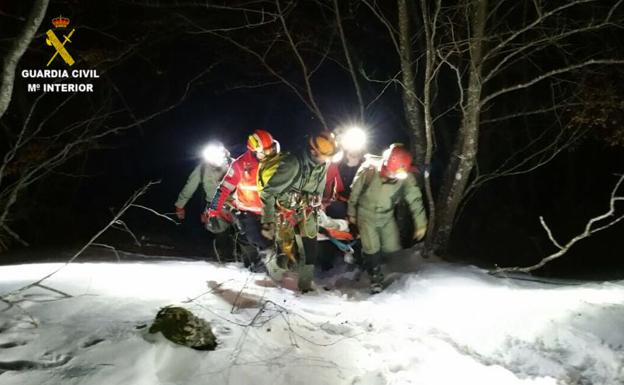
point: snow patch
(442, 325)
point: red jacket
(334, 185)
(242, 178)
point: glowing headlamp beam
(353, 139)
(215, 154)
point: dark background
(500, 224)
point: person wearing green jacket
(291, 191)
(208, 174)
(376, 190)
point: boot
(270, 260)
(376, 278)
(372, 264)
(306, 275)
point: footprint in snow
(12, 344)
(370, 378)
(336, 329)
(92, 342)
(19, 365)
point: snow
(445, 324)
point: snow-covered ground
(445, 324)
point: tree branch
(588, 231)
(548, 75)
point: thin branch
(303, 67)
(124, 227)
(108, 247)
(155, 212)
(532, 112)
(540, 19)
(392, 32)
(136, 195)
(352, 72)
(550, 234)
(14, 235)
(588, 231)
(548, 75)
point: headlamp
(401, 174)
(353, 139)
(215, 154)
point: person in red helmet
(378, 187)
(241, 181)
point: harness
(294, 211)
(300, 205)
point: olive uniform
(372, 203)
(291, 190)
(209, 177)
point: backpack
(267, 168)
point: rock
(182, 327)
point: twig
(156, 212)
(125, 228)
(108, 247)
(14, 235)
(589, 231)
(137, 194)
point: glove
(206, 215)
(180, 213)
(212, 213)
(268, 230)
(353, 229)
(419, 234)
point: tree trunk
(411, 105)
(429, 27)
(17, 50)
(466, 145)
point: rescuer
(241, 180)
(378, 187)
(292, 188)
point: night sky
(146, 53)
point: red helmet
(397, 162)
(260, 141)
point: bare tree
(483, 47)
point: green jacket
(373, 199)
(206, 175)
(297, 181)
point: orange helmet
(324, 143)
(260, 141)
(397, 162)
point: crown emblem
(60, 22)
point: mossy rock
(182, 327)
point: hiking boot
(257, 267)
(376, 278)
(306, 274)
(270, 261)
(376, 288)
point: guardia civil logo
(60, 23)
(60, 79)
